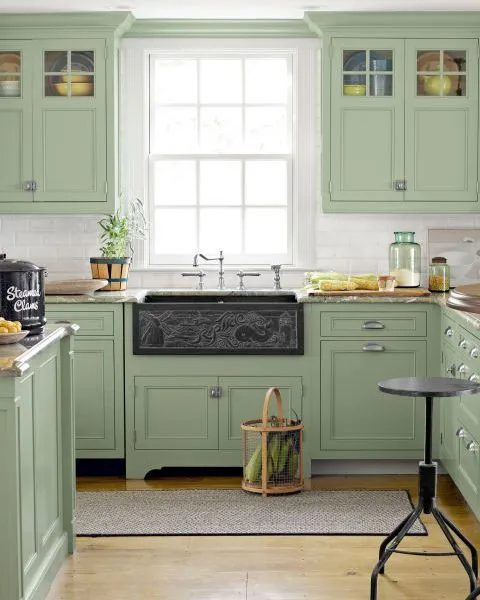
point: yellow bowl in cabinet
(78, 89)
(354, 90)
(77, 78)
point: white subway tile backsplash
(352, 243)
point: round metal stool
(428, 388)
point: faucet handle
(200, 274)
(242, 274)
(276, 278)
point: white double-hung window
(217, 148)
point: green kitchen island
(36, 462)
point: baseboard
(367, 467)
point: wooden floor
(264, 568)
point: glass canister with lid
(404, 259)
(439, 275)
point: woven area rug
(236, 512)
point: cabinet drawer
(374, 324)
(91, 323)
(468, 473)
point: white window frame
(134, 132)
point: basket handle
(270, 391)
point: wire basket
(272, 452)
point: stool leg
(379, 567)
(474, 594)
(465, 540)
(456, 548)
(390, 537)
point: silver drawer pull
(462, 368)
(472, 447)
(371, 347)
(452, 370)
(448, 332)
(475, 352)
(463, 344)
(474, 378)
(373, 325)
(461, 433)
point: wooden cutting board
(398, 293)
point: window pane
(175, 231)
(220, 182)
(266, 80)
(221, 81)
(174, 182)
(220, 229)
(265, 182)
(220, 129)
(266, 230)
(174, 130)
(175, 81)
(266, 129)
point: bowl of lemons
(11, 331)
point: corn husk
(365, 284)
(333, 285)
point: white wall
(345, 243)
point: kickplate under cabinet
(218, 329)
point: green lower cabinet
(94, 377)
(98, 378)
(448, 449)
(173, 413)
(355, 415)
(195, 420)
(242, 400)
(467, 476)
(37, 474)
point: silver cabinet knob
(448, 332)
(463, 344)
(462, 368)
(474, 378)
(461, 433)
(475, 352)
(472, 447)
(400, 185)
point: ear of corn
(253, 470)
(336, 286)
(364, 283)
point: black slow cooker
(22, 293)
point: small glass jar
(404, 259)
(439, 275)
(386, 283)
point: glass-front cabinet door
(69, 112)
(441, 122)
(15, 120)
(367, 120)
(69, 72)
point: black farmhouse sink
(220, 298)
(218, 323)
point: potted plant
(119, 231)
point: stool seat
(429, 386)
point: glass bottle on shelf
(404, 259)
(439, 275)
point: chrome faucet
(221, 273)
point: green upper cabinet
(400, 111)
(58, 108)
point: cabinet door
(94, 381)
(15, 120)
(69, 121)
(441, 121)
(448, 418)
(242, 400)
(177, 413)
(367, 120)
(355, 415)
